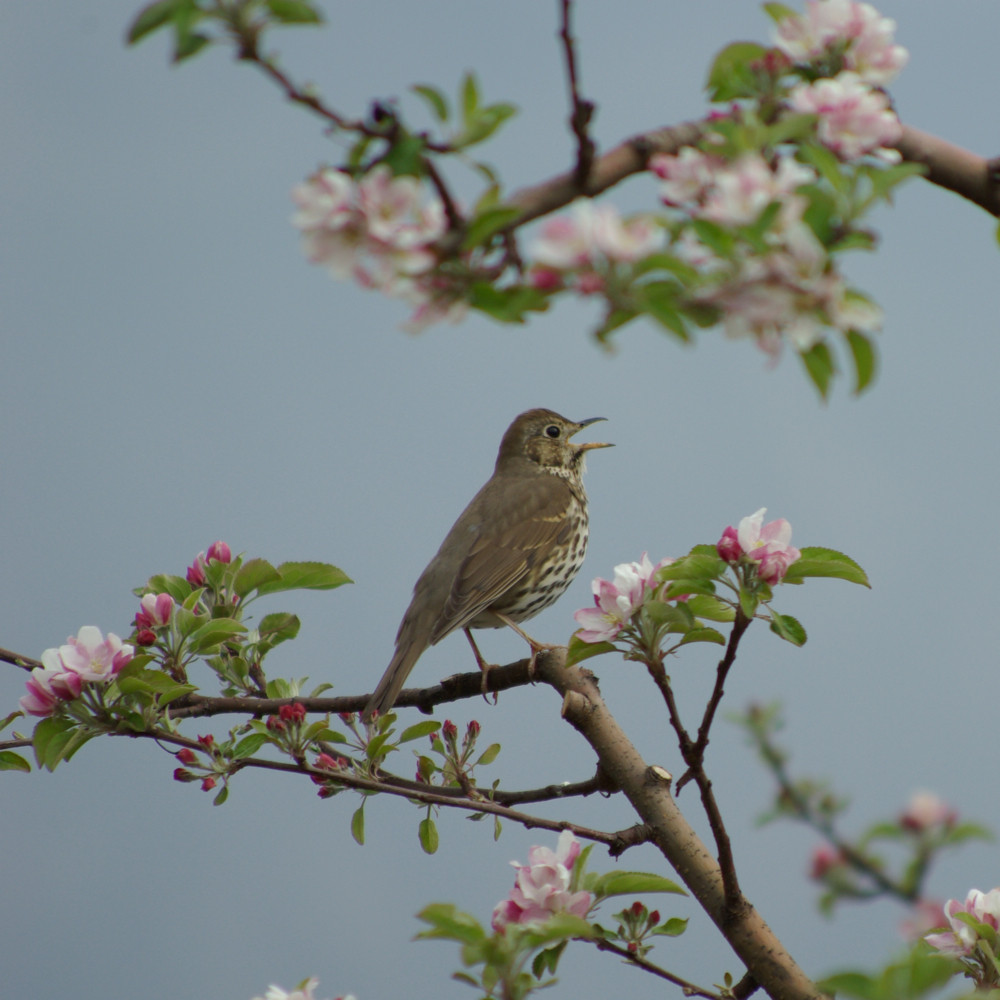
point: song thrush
(512, 552)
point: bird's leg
(483, 665)
(536, 646)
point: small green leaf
(470, 98)
(428, 836)
(487, 223)
(821, 562)
(547, 960)
(489, 754)
(358, 825)
(213, 633)
(222, 796)
(820, 366)
(703, 635)
(715, 610)
(154, 16)
(863, 353)
(253, 574)
(673, 927)
(732, 74)
(249, 745)
(163, 583)
(778, 12)
(305, 576)
(658, 299)
(188, 43)
(448, 922)
(632, 884)
(10, 761)
(508, 305)
(294, 12)
(483, 125)
(173, 692)
(578, 650)
(788, 628)
(419, 730)
(436, 101)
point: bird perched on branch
(512, 552)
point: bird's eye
(553, 430)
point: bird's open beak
(590, 445)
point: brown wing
(532, 519)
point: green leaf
(10, 761)
(778, 12)
(632, 884)
(213, 633)
(279, 627)
(578, 650)
(154, 16)
(863, 354)
(484, 123)
(489, 754)
(163, 583)
(547, 960)
(703, 635)
(487, 223)
(508, 305)
(701, 563)
(249, 745)
(470, 98)
(658, 299)
(188, 43)
(448, 922)
(49, 736)
(253, 574)
(435, 100)
(419, 730)
(817, 561)
(305, 576)
(294, 12)
(428, 836)
(732, 75)
(673, 927)
(820, 366)
(173, 692)
(222, 796)
(358, 825)
(788, 628)
(715, 610)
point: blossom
(593, 236)
(92, 657)
(304, 991)
(156, 611)
(686, 176)
(742, 190)
(768, 544)
(615, 602)
(325, 201)
(856, 31)
(728, 546)
(853, 118)
(824, 858)
(219, 552)
(47, 686)
(961, 939)
(542, 886)
(926, 811)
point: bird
(512, 552)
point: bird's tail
(384, 696)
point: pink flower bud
(196, 572)
(181, 775)
(654, 917)
(207, 741)
(207, 784)
(186, 756)
(326, 762)
(295, 712)
(275, 725)
(346, 718)
(449, 730)
(220, 552)
(637, 908)
(728, 546)
(473, 729)
(145, 637)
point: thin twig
(641, 963)
(19, 660)
(581, 111)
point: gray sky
(175, 372)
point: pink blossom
(156, 611)
(92, 657)
(196, 571)
(686, 176)
(742, 190)
(924, 917)
(728, 546)
(925, 811)
(961, 939)
(41, 699)
(325, 201)
(391, 208)
(768, 544)
(824, 858)
(219, 552)
(615, 602)
(542, 887)
(304, 991)
(858, 30)
(854, 119)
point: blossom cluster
(586, 250)
(786, 289)
(543, 886)
(617, 600)
(87, 658)
(768, 545)
(962, 939)
(304, 991)
(380, 231)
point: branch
(948, 166)
(690, 990)
(646, 788)
(24, 662)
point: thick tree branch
(649, 792)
